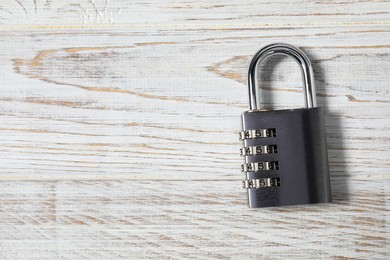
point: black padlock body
(301, 155)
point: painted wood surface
(119, 124)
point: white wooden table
(119, 124)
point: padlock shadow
(334, 134)
(333, 121)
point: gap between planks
(141, 177)
(205, 26)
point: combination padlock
(286, 161)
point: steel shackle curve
(290, 51)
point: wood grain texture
(113, 219)
(148, 13)
(119, 126)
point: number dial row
(261, 183)
(261, 149)
(260, 166)
(258, 133)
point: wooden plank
(212, 14)
(117, 104)
(180, 219)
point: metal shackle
(290, 51)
